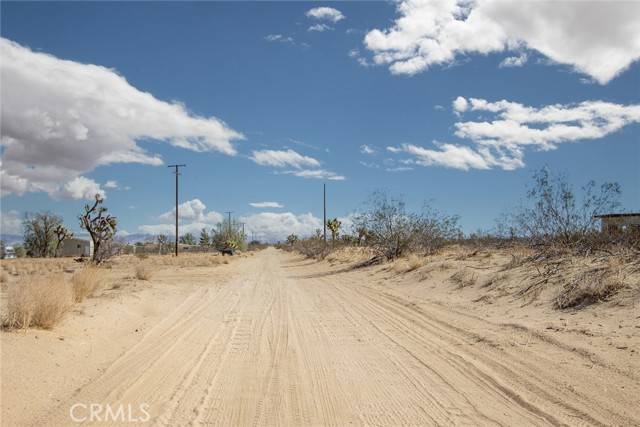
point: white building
(76, 247)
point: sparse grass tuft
(414, 262)
(464, 278)
(37, 302)
(85, 282)
(493, 280)
(143, 272)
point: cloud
(272, 226)
(262, 205)
(320, 28)
(355, 54)
(273, 38)
(600, 39)
(193, 210)
(325, 14)
(10, 222)
(111, 184)
(316, 174)
(514, 127)
(515, 61)
(80, 188)
(193, 216)
(365, 149)
(448, 155)
(394, 150)
(62, 119)
(460, 105)
(283, 158)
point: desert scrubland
(467, 335)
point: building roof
(617, 215)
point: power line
(177, 172)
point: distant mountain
(137, 237)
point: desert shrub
(588, 288)
(393, 231)
(37, 302)
(555, 214)
(143, 272)
(312, 247)
(228, 234)
(85, 282)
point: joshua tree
(204, 238)
(61, 235)
(162, 242)
(188, 239)
(334, 226)
(292, 239)
(100, 226)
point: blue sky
(278, 86)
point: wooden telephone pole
(324, 215)
(177, 172)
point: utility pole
(177, 172)
(229, 213)
(324, 216)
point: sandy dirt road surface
(286, 341)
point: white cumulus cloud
(597, 38)
(502, 141)
(61, 119)
(325, 14)
(193, 217)
(283, 158)
(317, 174)
(263, 205)
(272, 226)
(111, 184)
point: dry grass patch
(86, 282)
(464, 278)
(37, 302)
(143, 272)
(588, 288)
(494, 279)
(414, 262)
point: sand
(276, 339)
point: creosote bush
(393, 231)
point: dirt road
(287, 342)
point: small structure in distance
(616, 222)
(76, 248)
